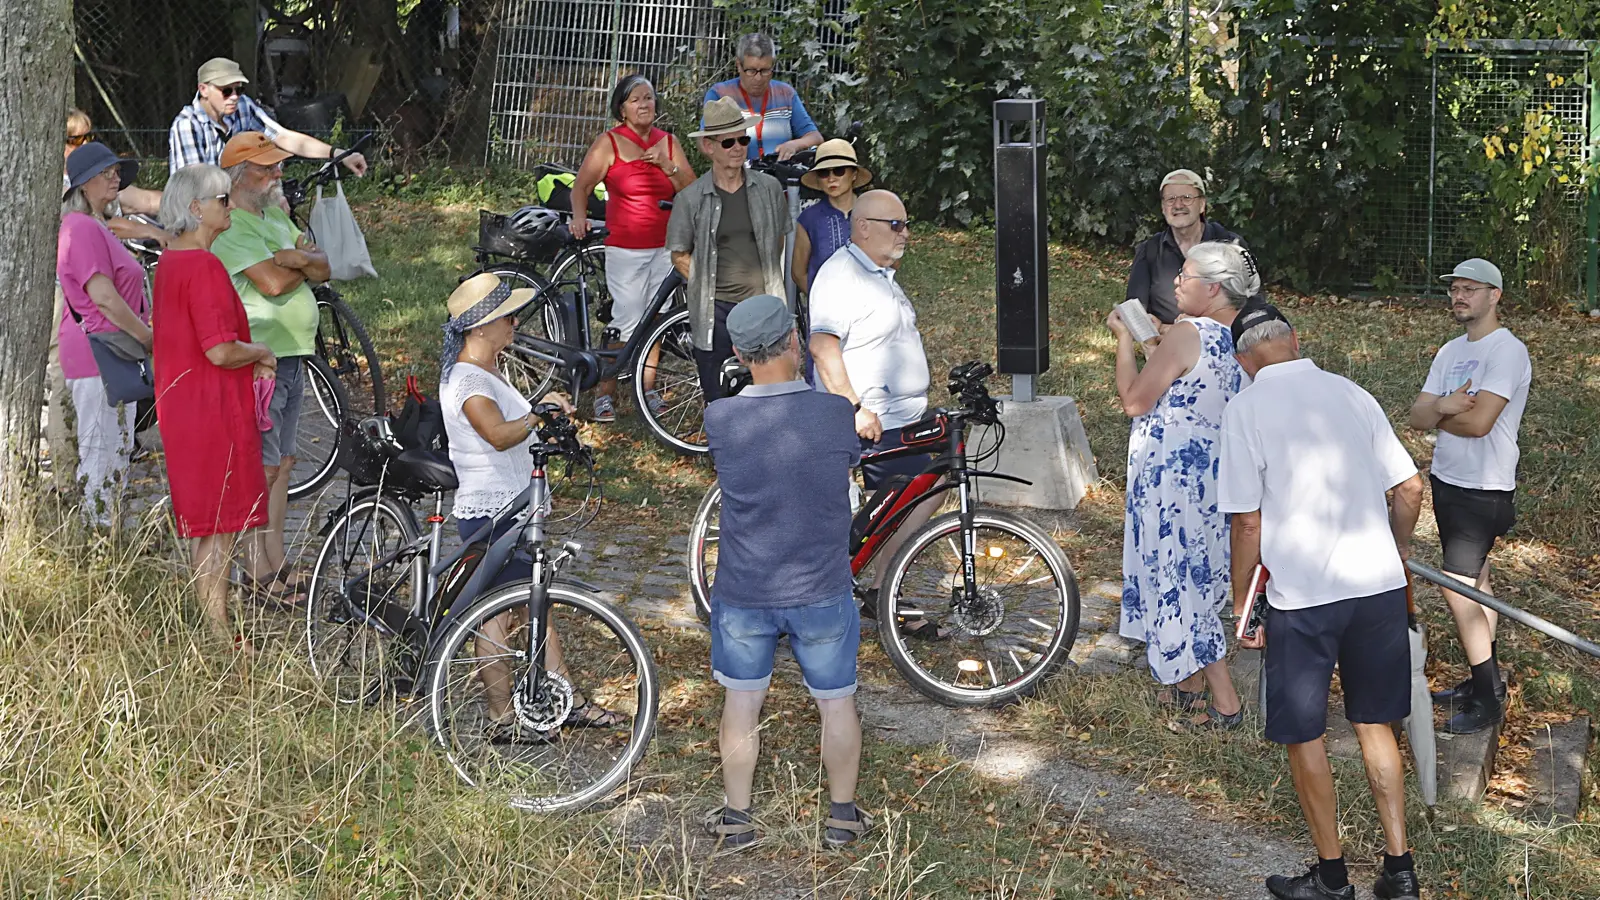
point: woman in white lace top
(489, 425)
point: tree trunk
(35, 55)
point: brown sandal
(858, 828)
(725, 832)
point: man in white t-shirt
(1306, 460)
(1475, 393)
(866, 346)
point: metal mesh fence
(558, 60)
(1440, 205)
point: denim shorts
(278, 441)
(824, 637)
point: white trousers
(105, 441)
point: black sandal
(925, 630)
(277, 592)
(591, 715)
(1213, 721)
(1181, 700)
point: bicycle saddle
(427, 468)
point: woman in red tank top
(641, 166)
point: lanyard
(761, 123)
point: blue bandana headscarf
(455, 330)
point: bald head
(872, 227)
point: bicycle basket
(496, 236)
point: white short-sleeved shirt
(1497, 363)
(861, 304)
(1316, 455)
(489, 478)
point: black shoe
(1462, 692)
(1397, 885)
(1307, 887)
(1475, 715)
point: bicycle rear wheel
(1003, 645)
(666, 365)
(342, 343)
(705, 536)
(606, 663)
(316, 444)
(531, 376)
(566, 270)
(359, 602)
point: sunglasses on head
(895, 225)
(742, 140)
(836, 172)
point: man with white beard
(867, 349)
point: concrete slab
(1559, 753)
(1466, 762)
(1046, 444)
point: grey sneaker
(658, 406)
(605, 409)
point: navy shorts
(874, 474)
(824, 636)
(1470, 520)
(1366, 637)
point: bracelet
(529, 418)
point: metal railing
(1523, 617)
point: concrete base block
(1466, 762)
(1558, 762)
(1046, 444)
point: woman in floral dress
(1175, 575)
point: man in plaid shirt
(221, 110)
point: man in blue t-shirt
(783, 455)
(782, 124)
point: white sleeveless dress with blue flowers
(1175, 557)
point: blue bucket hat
(93, 158)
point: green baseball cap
(759, 323)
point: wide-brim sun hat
(484, 298)
(93, 158)
(722, 117)
(832, 154)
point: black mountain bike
(557, 344)
(389, 616)
(998, 582)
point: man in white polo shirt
(866, 346)
(1475, 393)
(1306, 460)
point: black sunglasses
(742, 140)
(835, 172)
(230, 90)
(895, 225)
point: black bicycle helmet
(538, 228)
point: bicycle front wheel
(316, 445)
(343, 343)
(361, 595)
(1016, 631)
(666, 367)
(525, 745)
(705, 536)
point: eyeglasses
(223, 198)
(742, 140)
(1185, 276)
(758, 73)
(1461, 290)
(835, 172)
(895, 225)
(78, 140)
(229, 91)
(1180, 199)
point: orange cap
(252, 146)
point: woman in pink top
(102, 286)
(641, 166)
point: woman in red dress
(205, 369)
(641, 166)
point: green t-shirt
(287, 324)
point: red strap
(761, 123)
(615, 153)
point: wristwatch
(858, 406)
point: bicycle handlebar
(296, 189)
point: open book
(1137, 320)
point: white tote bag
(334, 229)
